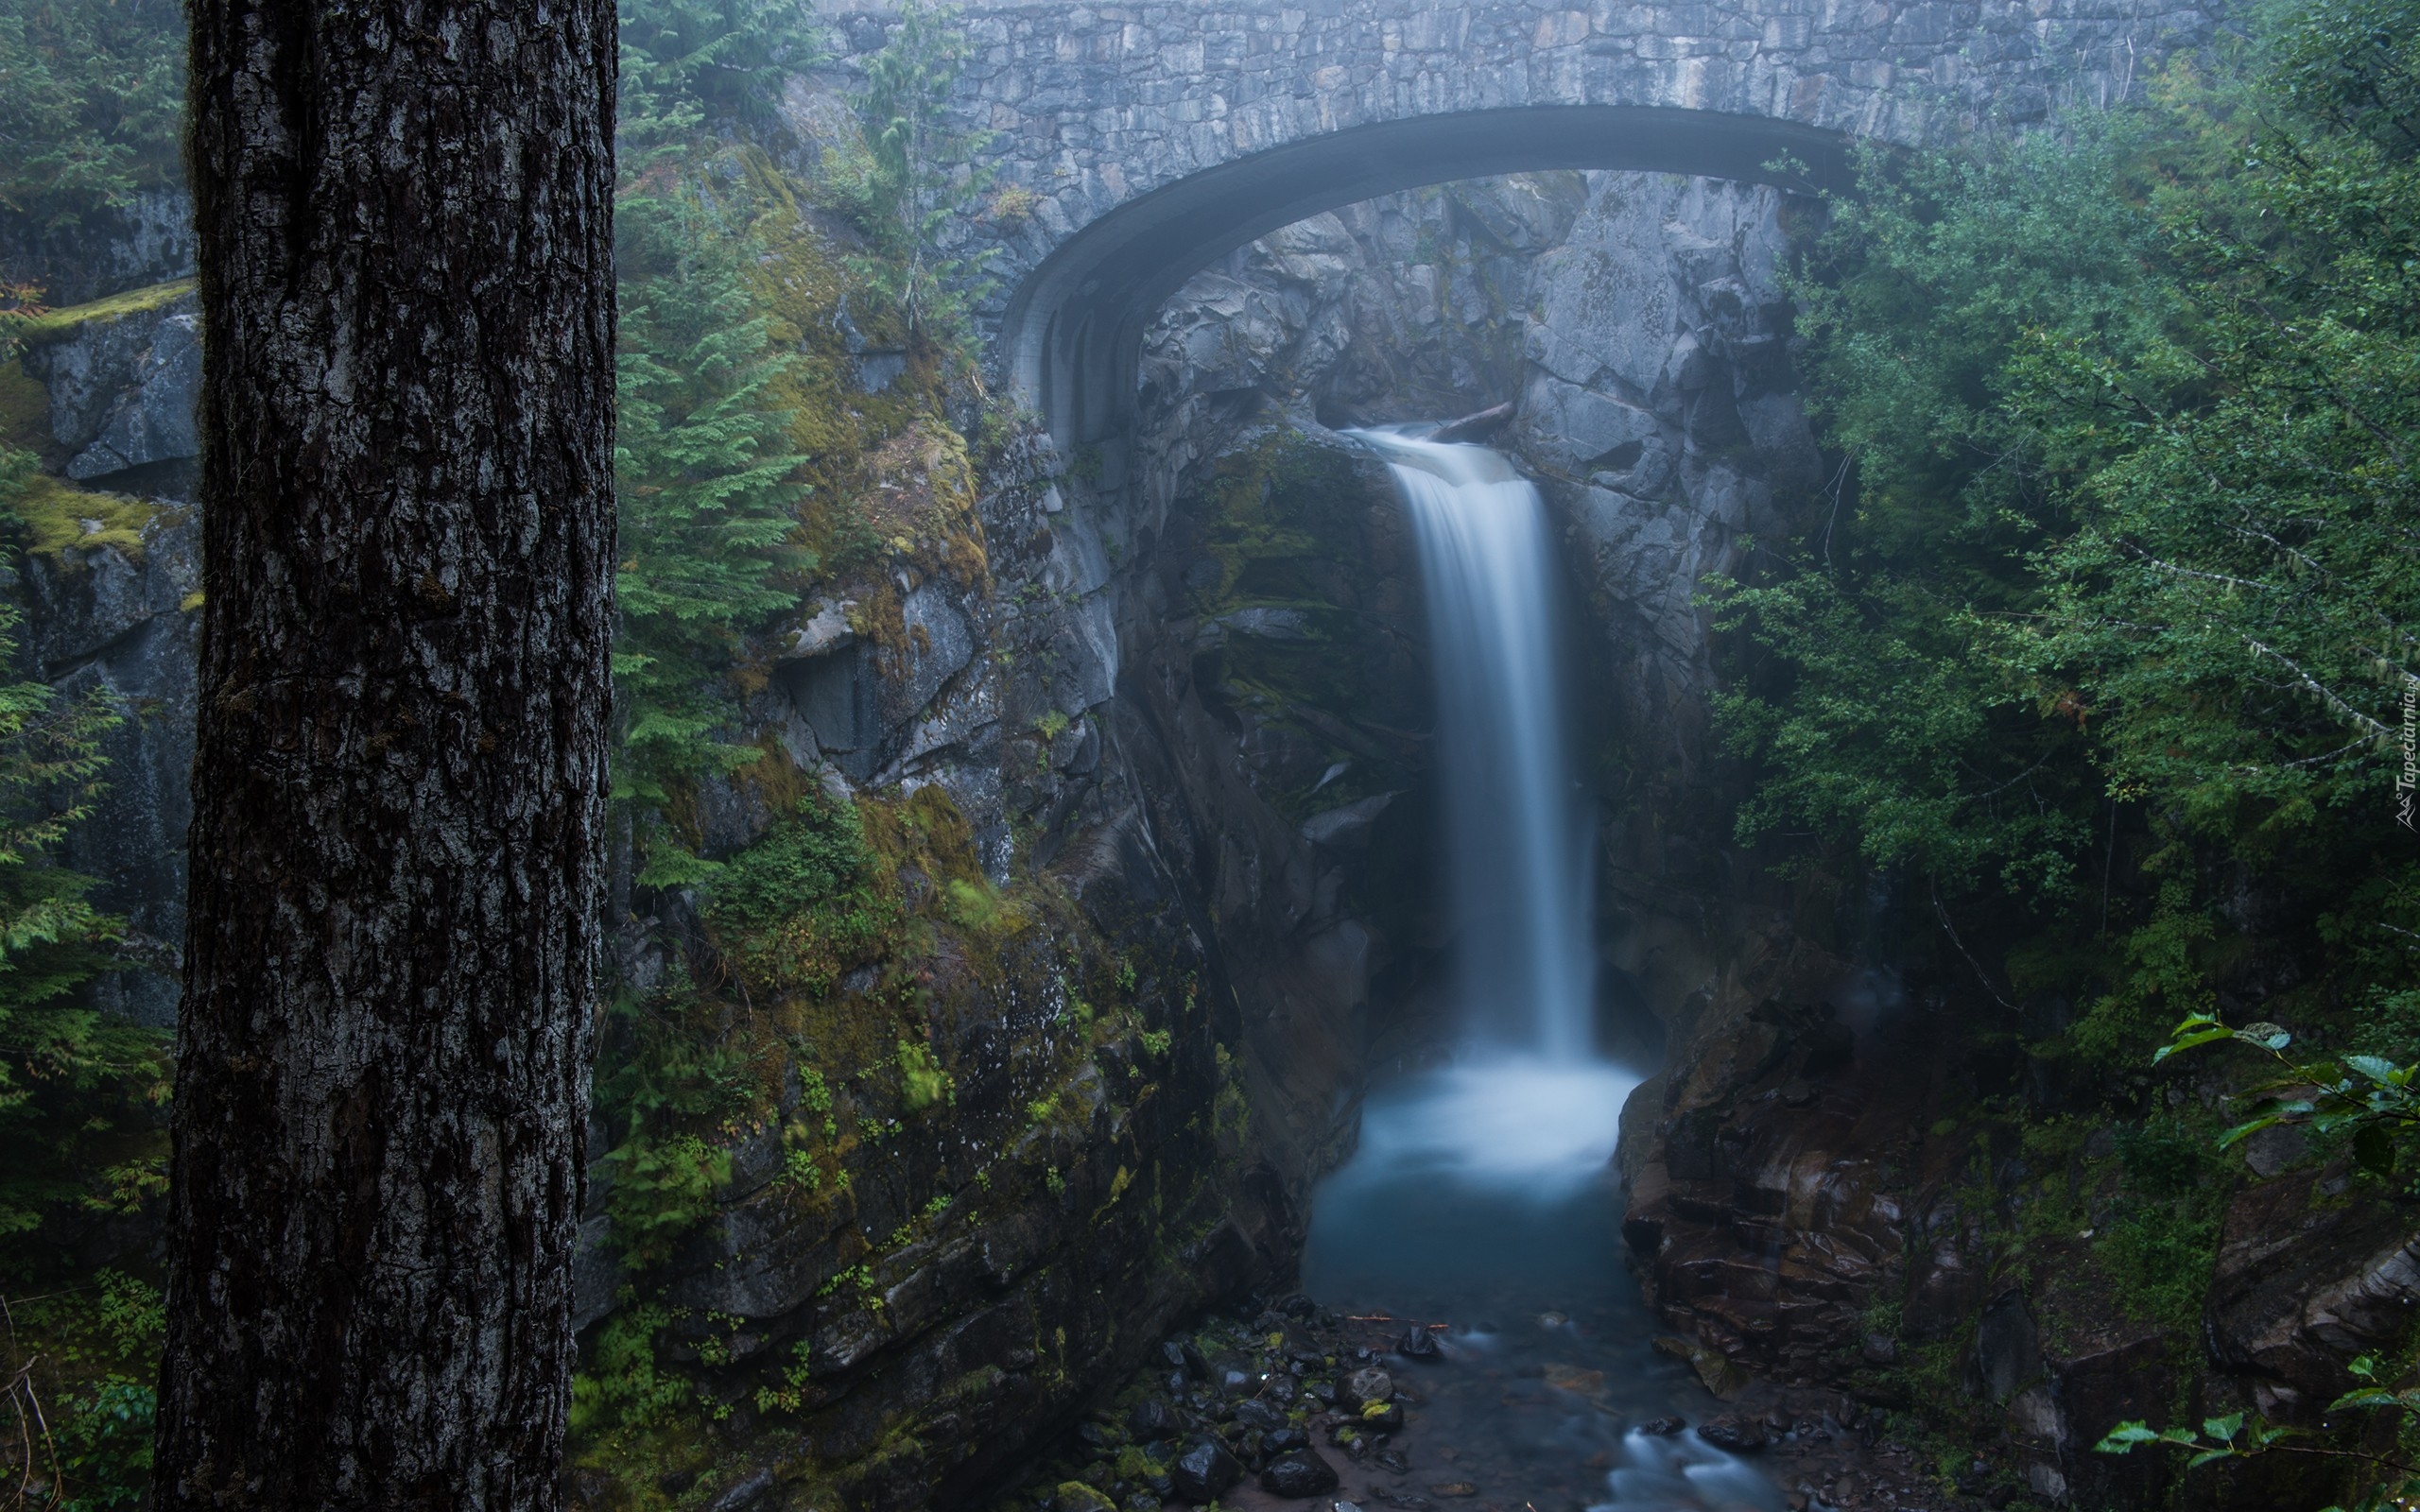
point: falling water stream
(1482, 1195)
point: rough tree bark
(406, 251)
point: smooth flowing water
(1482, 1196)
(1516, 834)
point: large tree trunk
(404, 214)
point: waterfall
(1517, 835)
(1479, 1199)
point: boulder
(1075, 1496)
(1154, 1420)
(1736, 1432)
(1299, 1472)
(1203, 1472)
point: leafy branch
(2249, 1436)
(2368, 1096)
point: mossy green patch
(58, 517)
(53, 325)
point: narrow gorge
(1219, 933)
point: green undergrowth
(81, 1095)
(845, 944)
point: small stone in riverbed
(1663, 1427)
(1381, 1416)
(1371, 1384)
(1417, 1344)
(1456, 1488)
(1324, 1390)
(1141, 1502)
(1254, 1412)
(1203, 1472)
(1281, 1439)
(1299, 1472)
(1732, 1431)
(1389, 1459)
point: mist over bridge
(1151, 139)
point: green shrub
(801, 905)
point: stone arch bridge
(1152, 138)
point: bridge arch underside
(1072, 331)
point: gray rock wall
(120, 619)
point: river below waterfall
(1481, 1200)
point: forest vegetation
(2104, 645)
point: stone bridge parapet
(1149, 139)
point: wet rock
(1663, 1427)
(1299, 1472)
(1235, 1381)
(1456, 1488)
(1370, 1385)
(1141, 1502)
(1325, 1392)
(1383, 1417)
(1284, 1440)
(1152, 1420)
(1193, 1362)
(747, 1492)
(1254, 1412)
(1075, 1496)
(1203, 1472)
(1346, 827)
(1418, 1344)
(1391, 1460)
(2305, 1283)
(2007, 1354)
(1732, 1431)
